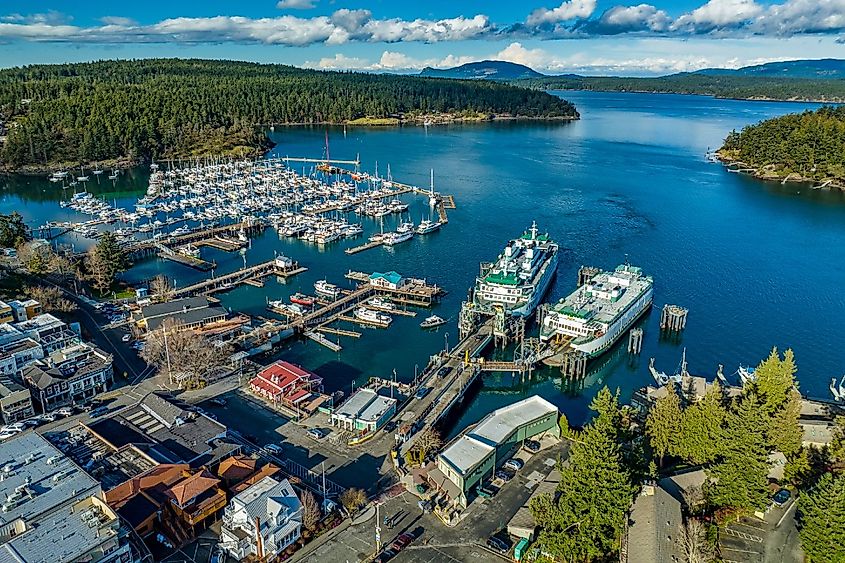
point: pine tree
(774, 379)
(594, 495)
(702, 435)
(785, 433)
(821, 519)
(608, 415)
(105, 261)
(663, 424)
(739, 479)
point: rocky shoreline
(771, 173)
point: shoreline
(772, 176)
(124, 163)
(839, 101)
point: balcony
(206, 505)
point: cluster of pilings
(635, 341)
(673, 318)
(574, 364)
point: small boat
(427, 226)
(370, 316)
(746, 374)
(834, 390)
(327, 289)
(378, 237)
(381, 303)
(391, 239)
(289, 309)
(302, 299)
(433, 321)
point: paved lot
(771, 540)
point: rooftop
(40, 322)
(175, 306)
(191, 316)
(365, 404)
(498, 425)
(465, 453)
(391, 277)
(655, 527)
(45, 477)
(583, 303)
(267, 497)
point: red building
(288, 385)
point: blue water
(757, 264)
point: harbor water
(757, 264)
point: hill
(489, 70)
(131, 111)
(821, 69)
(808, 146)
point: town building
(388, 280)
(6, 313)
(53, 511)
(364, 412)
(474, 456)
(290, 386)
(196, 499)
(17, 354)
(167, 431)
(654, 528)
(142, 500)
(188, 313)
(52, 333)
(71, 375)
(261, 521)
(15, 401)
(22, 310)
(522, 524)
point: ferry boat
(433, 321)
(370, 316)
(327, 289)
(427, 226)
(390, 239)
(302, 299)
(520, 276)
(596, 314)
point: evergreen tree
(13, 231)
(774, 379)
(105, 261)
(663, 424)
(785, 433)
(595, 492)
(821, 520)
(608, 414)
(702, 437)
(739, 480)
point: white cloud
(719, 13)
(802, 16)
(118, 20)
(295, 4)
(643, 17)
(569, 10)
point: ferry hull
(528, 308)
(600, 345)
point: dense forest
(720, 86)
(809, 145)
(162, 108)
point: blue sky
(586, 36)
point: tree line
(810, 144)
(162, 108)
(720, 86)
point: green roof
(503, 279)
(527, 236)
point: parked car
(390, 426)
(514, 464)
(48, 417)
(99, 411)
(33, 422)
(422, 392)
(402, 541)
(274, 449)
(14, 427)
(487, 491)
(532, 446)
(498, 545)
(316, 433)
(443, 372)
(65, 411)
(504, 475)
(5, 435)
(781, 497)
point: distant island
(804, 80)
(800, 147)
(488, 70)
(118, 113)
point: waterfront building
(388, 280)
(190, 313)
(167, 431)
(22, 310)
(52, 333)
(15, 401)
(364, 412)
(472, 457)
(53, 511)
(19, 353)
(261, 521)
(287, 385)
(69, 376)
(654, 528)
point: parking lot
(774, 539)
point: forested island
(124, 112)
(805, 147)
(720, 86)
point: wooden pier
(187, 260)
(363, 247)
(338, 331)
(323, 341)
(204, 236)
(227, 281)
(222, 243)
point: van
(99, 411)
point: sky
(594, 37)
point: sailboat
(432, 197)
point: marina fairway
(758, 265)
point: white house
(270, 506)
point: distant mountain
(489, 70)
(819, 69)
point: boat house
(389, 280)
(364, 412)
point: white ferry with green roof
(520, 276)
(596, 314)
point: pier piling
(673, 318)
(635, 341)
(574, 364)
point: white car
(15, 427)
(126, 338)
(65, 411)
(49, 417)
(5, 435)
(514, 464)
(274, 449)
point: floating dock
(251, 273)
(323, 341)
(363, 247)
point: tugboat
(433, 321)
(302, 299)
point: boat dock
(244, 275)
(338, 331)
(204, 236)
(181, 258)
(222, 243)
(323, 341)
(363, 247)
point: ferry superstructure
(596, 314)
(520, 276)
